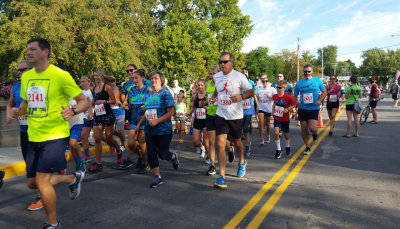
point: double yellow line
(267, 207)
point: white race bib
(200, 113)
(151, 114)
(308, 98)
(279, 111)
(224, 101)
(36, 97)
(246, 104)
(23, 120)
(99, 109)
(215, 102)
(333, 98)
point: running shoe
(75, 188)
(156, 182)
(211, 171)
(247, 150)
(119, 158)
(315, 141)
(86, 159)
(181, 140)
(288, 153)
(231, 155)
(2, 174)
(175, 161)
(242, 169)
(261, 142)
(202, 153)
(112, 150)
(307, 151)
(96, 167)
(278, 154)
(138, 163)
(142, 169)
(81, 167)
(220, 183)
(126, 164)
(207, 161)
(36, 204)
(49, 226)
(267, 139)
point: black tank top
(103, 95)
(197, 101)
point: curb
(19, 168)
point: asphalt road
(344, 183)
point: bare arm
(81, 106)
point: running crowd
(60, 114)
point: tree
(329, 57)
(258, 62)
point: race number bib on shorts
(200, 113)
(36, 97)
(308, 98)
(151, 114)
(246, 104)
(333, 98)
(99, 109)
(279, 111)
(215, 103)
(224, 101)
(23, 120)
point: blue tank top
(16, 92)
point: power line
(366, 50)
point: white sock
(278, 144)
(288, 143)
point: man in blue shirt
(309, 90)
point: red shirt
(282, 102)
(374, 91)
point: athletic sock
(314, 136)
(278, 144)
(198, 150)
(86, 152)
(288, 143)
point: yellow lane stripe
(259, 218)
(264, 189)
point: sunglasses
(333, 78)
(130, 70)
(279, 87)
(224, 61)
(212, 73)
(264, 81)
(22, 69)
(307, 71)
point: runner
(130, 69)
(283, 103)
(103, 118)
(394, 90)
(88, 117)
(158, 126)
(248, 111)
(137, 98)
(374, 97)
(332, 101)
(229, 117)
(15, 101)
(198, 107)
(180, 117)
(264, 96)
(45, 91)
(353, 93)
(75, 126)
(308, 89)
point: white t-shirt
(264, 102)
(259, 86)
(87, 94)
(76, 119)
(233, 83)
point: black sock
(314, 136)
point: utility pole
(334, 68)
(322, 59)
(298, 61)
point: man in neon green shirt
(45, 91)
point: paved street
(344, 183)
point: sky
(353, 26)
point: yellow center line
(268, 206)
(264, 189)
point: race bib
(263, 99)
(246, 104)
(151, 114)
(200, 113)
(215, 102)
(36, 97)
(99, 109)
(224, 101)
(308, 98)
(114, 107)
(279, 111)
(333, 98)
(23, 120)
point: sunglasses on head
(224, 61)
(22, 69)
(130, 70)
(307, 71)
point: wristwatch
(74, 110)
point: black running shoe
(175, 161)
(142, 169)
(139, 163)
(231, 155)
(156, 182)
(211, 171)
(288, 153)
(125, 164)
(278, 154)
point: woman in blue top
(159, 108)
